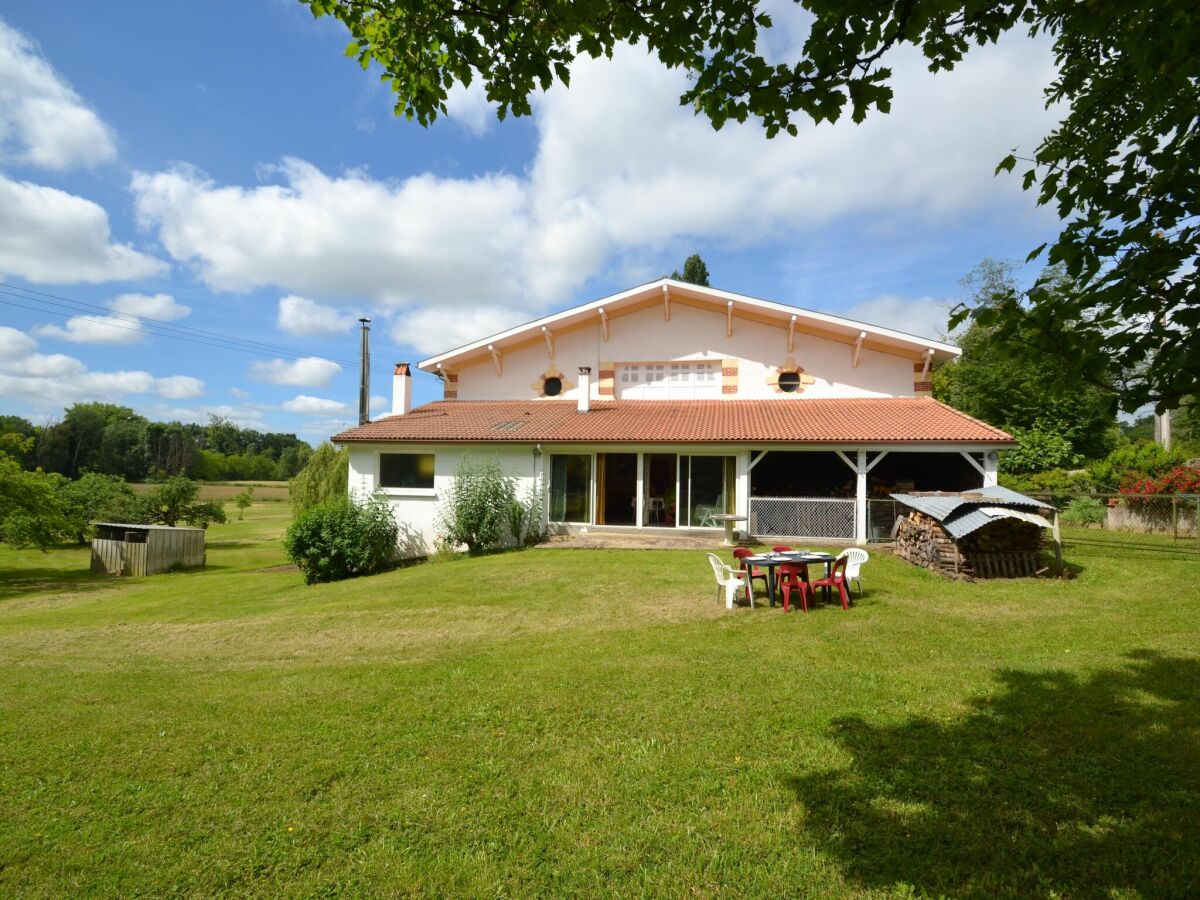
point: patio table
(727, 519)
(770, 561)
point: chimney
(585, 388)
(401, 390)
(364, 374)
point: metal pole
(364, 375)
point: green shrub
(1084, 511)
(1054, 482)
(525, 518)
(477, 507)
(339, 539)
(1134, 462)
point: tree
(324, 477)
(244, 501)
(17, 438)
(170, 448)
(1119, 169)
(32, 513)
(694, 271)
(178, 500)
(102, 437)
(98, 498)
(1042, 397)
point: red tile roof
(851, 421)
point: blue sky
(224, 167)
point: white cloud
(47, 382)
(94, 330)
(620, 171)
(239, 393)
(162, 307)
(922, 316)
(52, 237)
(424, 238)
(43, 121)
(378, 401)
(620, 163)
(119, 329)
(179, 387)
(302, 317)
(470, 107)
(308, 371)
(316, 406)
(431, 329)
(50, 365)
(15, 344)
(244, 416)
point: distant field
(227, 490)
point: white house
(659, 406)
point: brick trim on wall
(450, 387)
(607, 379)
(729, 376)
(921, 388)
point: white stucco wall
(416, 510)
(692, 334)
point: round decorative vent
(789, 382)
(552, 386)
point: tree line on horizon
(108, 439)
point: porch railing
(815, 517)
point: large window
(570, 487)
(406, 470)
(675, 381)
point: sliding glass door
(571, 487)
(708, 484)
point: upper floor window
(406, 470)
(677, 380)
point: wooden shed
(121, 549)
(989, 533)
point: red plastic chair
(781, 548)
(795, 578)
(739, 556)
(836, 579)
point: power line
(67, 308)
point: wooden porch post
(990, 458)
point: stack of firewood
(1005, 547)
(923, 541)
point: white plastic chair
(856, 557)
(731, 580)
(706, 513)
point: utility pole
(364, 374)
(1162, 429)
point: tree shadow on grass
(50, 580)
(1080, 786)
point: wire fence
(1167, 522)
(814, 517)
(1170, 522)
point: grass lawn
(567, 721)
